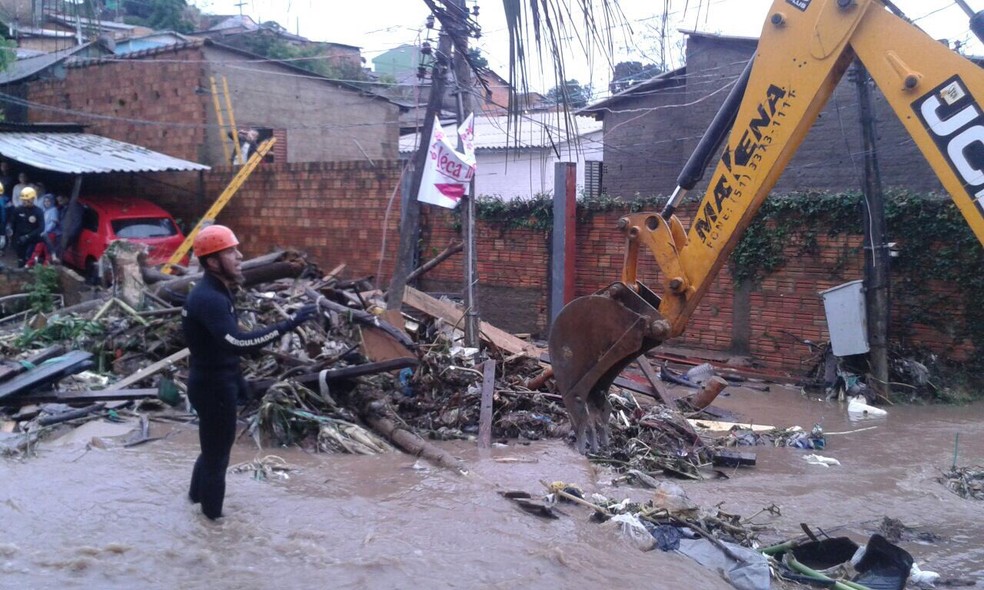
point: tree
(476, 58)
(571, 94)
(630, 73)
(171, 15)
(312, 57)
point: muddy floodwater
(88, 513)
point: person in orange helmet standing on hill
(215, 380)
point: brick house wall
(320, 120)
(149, 102)
(161, 99)
(649, 134)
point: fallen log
(255, 271)
(708, 392)
(411, 443)
(451, 250)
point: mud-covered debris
(966, 482)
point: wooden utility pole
(876, 255)
(462, 76)
(562, 248)
(411, 217)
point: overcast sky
(378, 25)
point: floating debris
(966, 482)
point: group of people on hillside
(30, 218)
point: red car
(105, 219)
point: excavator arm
(804, 50)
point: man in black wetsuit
(215, 380)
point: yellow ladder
(213, 212)
(232, 134)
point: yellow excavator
(804, 50)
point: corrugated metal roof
(84, 153)
(535, 130)
(28, 66)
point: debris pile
(346, 384)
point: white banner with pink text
(448, 172)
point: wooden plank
(98, 395)
(452, 314)
(485, 412)
(72, 362)
(150, 370)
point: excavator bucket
(592, 339)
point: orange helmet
(212, 239)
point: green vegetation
(167, 15)
(311, 57)
(42, 293)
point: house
(154, 40)
(242, 32)
(161, 98)
(518, 162)
(652, 128)
(35, 25)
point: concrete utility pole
(876, 255)
(462, 76)
(411, 217)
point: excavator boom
(804, 50)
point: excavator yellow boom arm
(804, 50)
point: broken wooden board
(653, 379)
(10, 369)
(377, 345)
(719, 426)
(150, 370)
(452, 314)
(49, 372)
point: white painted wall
(523, 173)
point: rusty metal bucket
(592, 339)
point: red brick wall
(337, 213)
(784, 308)
(333, 211)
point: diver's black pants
(214, 398)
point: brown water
(108, 517)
